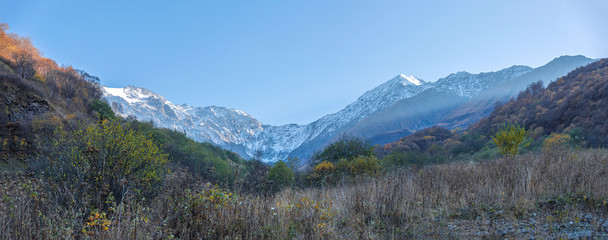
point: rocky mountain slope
(481, 105)
(394, 109)
(237, 131)
(429, 107)
(459, 100)
(573, 105)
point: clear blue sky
(295, 61)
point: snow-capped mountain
(237, 131)
(428, 107)
(214, 124)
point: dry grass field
(552, 194)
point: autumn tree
(20, 51)
(24, 63)
(323, 173)
(365, 165)
(555, 141)
(510, 138)
(5, 41)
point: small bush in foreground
(280, 176)
(510, 138)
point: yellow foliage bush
(96, 223)
(555, 141)
(325, 167)
(39, 78)
(510, 138)
(364, 165)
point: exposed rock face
(19, 105)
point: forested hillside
(483, 104)
(574, 105)
(37, 96)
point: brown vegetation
(558, 193)
(36, 91)
(574, 105)
(574, 102)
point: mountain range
(392, 110)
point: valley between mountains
(390, 111)
(303, 120)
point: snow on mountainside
(213, 124)
(428, 107)
(400, 87)
(372, 101)
(237, 131)
(469, 85)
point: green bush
(280, 176)
(395, 159)
(347, 147)
(365, 165)
(203, 160)
(98, 162)
(102, 109)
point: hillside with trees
(571, 106)
(575, 104)
(37, 96)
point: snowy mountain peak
(459, 74)
(237, 131)
(120, 92)
(400, 87)
(223, 126)
(410, 79)
(132, 94)
(141, 92)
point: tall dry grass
(407, 203)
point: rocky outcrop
(18, 104)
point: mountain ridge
(240, 132)
(275, 142)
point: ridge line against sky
(294, 62)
